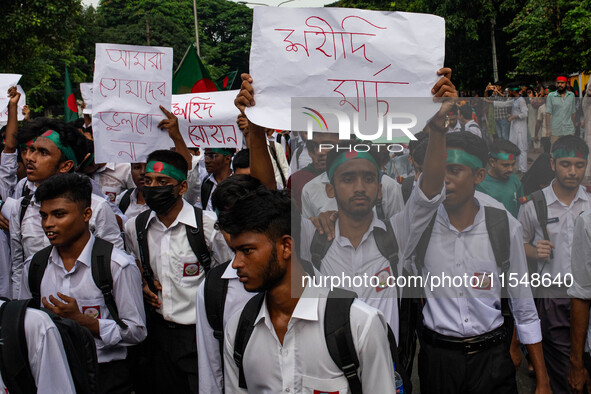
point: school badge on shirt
(191, 269)
(92, 311)
(383, 276)
(481, 281)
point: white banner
(357, 56)
(130, 83)
(86, 92)
(208, 119)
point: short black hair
(261, 211)
(241, 160)
(501, 145)
(420, 151)
(466, 111)
(421, 135)
(169, 157)
(349, 146)
(69, 135)
(72, 186)
(571, 143)
(231, 189)
(469, 143)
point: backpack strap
(497, 226)
(339, 339)
(36, 271)
(273, 151)
(380, 209)
(142, 239)
(387, 244)
(541, 208)
(126, 200)
(101, 274)
(14, 354)
(214, 295)
(318, 248)
(196, 238)
(206, 188)
(24, 205)
(421, 248)
(244, 331)
(407, 185)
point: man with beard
(172, 267)
(287, 350)
(500, 182)
(560, 110)
(550, 244)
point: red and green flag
(70, 105)
(226, 82)
(191, 76)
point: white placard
(86, 92)
(357, 56)
(208, 119)
(130, 83)
(6, 82)
(22, 101)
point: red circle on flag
(46, 134)
(511, 156)
(158, 166)
(204, 85)
(72, 103)
(351, 155)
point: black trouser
(114, 378)
(444, 370)
(174, 356)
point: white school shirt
(8, 168)
(315, 200)
(211, 373)
(113, 179)
(174, 264)
(342, 258)
(302, 363)
(47, 357)
(581, 265)
(79, 284)
(22, 184)
(134, 208)
(29, 238)
(461, 311)
(561, 224)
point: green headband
(458, 156)
(561, 153)
(514, 89)
(349, 155)
(221, 151)
(160, 167)
(503, 156)
(54, 137)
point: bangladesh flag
(191, 76)
(225, 83)
(70, 106)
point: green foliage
(552, 36)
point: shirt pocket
(94, 307)
(338, 385)
(189, 271)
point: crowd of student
(188, 271)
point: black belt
(157, 318)
(469, 345)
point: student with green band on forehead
(500, 182)
(550, 246)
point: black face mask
(160, 198)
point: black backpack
(125, 200)
(497, 226)
(195, 236)
(407, 185)
(101, 274)
(214, 295)
(541, 207)
(337, 332)
(16, 372)
(206, 188)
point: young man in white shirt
(287, 350)
(177, 269)
(464, 344)
(68, 285)
(564, 200)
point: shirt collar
(551, 196)
(230, 273)
(84, 258)
(375, 222)
(185, 216)
(306, 308)
(444, 218)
